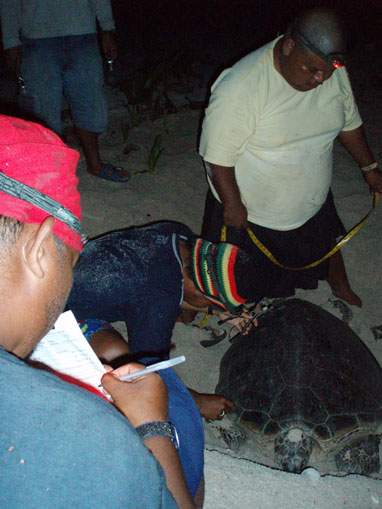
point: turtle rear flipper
(360, 456)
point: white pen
(154, 367)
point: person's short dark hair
(10, 230)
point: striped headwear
(219, 273)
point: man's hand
(235, 216)
(356, 144)
(374, 180)
(141, 400)
(13, 58)
(234, 212)
(145, 400)
(212, 406)
(239, 322)
(109, 46)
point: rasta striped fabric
(217, 270)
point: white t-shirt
(279, 139)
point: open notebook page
(66, 350)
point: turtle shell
(302, 366)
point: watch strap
(158, 428)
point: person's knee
(108, 345)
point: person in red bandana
(61, 444)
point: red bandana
(38, 158)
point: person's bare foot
(212, 406)
(339, 283)
(348, 296)
(186, 316)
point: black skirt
(292, 248)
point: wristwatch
(158, 428)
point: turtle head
(292, 450)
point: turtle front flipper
(292, 450)
(228, 432)
(360, 457)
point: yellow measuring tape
(204, 321)
(338, 246)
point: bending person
(145, 276)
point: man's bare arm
(234, 212)
(164, 451)
(145, 400)
(355, 143)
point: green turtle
(308, 393)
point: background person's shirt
(279, 140)
(39, 19)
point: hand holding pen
(153, 367)
(144, 400)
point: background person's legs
(84, 89)
(41, 71)
(109, 345)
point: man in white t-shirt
(267, 142)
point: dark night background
(211, 26)
(211, 34)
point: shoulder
(32, 385)
(342, 81)
(58, 432)
(247, 74)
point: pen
(154, 367)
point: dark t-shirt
(133, 275)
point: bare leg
(339, 282)
(199, 497)
(108, 345)
(89, 143)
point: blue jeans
(69, 66)
(185, 416)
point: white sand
(176, 191)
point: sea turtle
(308, 392)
